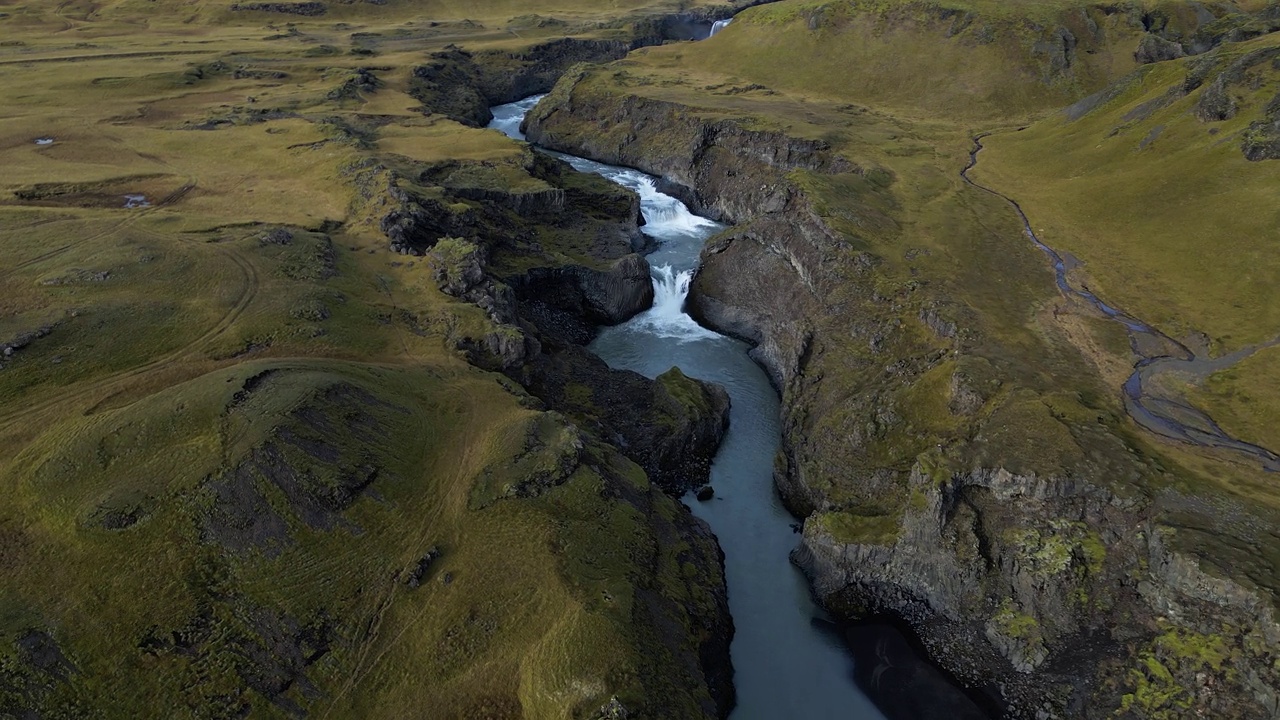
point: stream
(1172, 418)
(790, 660)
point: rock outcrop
(1058, 595)
(670, 426)
(485, 244)
(574, 299)
(416, 205)
(1153, 48)
(463, 85)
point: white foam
(664, 213)
(507, 118)
(667, 318)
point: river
(790, 660)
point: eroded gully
(1157, 353)
(790, 660)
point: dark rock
(1262, 138)
(122, 515)
(1059, 49)
(671, 426)
(603, 297)
(463, 86)
(457, 266)
(1215, 103)
(315, 459)
(240, 518)
(307, 9)
(1153, 48)
(619, 293)
(361, 81)
(944, 329)
(23, 339)
(705, 493)
(613, 710)
(414, 576)
(38, 649)
(276, 236)
(449, 85)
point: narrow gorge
(1023, 567)
(789, 659)
(688, 359)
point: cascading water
(719, 25)
(667, 318)
(789, 659)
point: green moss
(1014, 624)
(451, 257)
(925, 403)
(685, 390)
(681, 399)
(935, 465)
(918, 501)
(578, 395)
(849, 528)
(1053, 549)
(1187, 646)
(1095, 552)
(1155, 693)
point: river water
(789, 659)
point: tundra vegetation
(956, 432)
(251, 461)
(308, 428)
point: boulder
(1153, 49)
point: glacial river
(789, 659)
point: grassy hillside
(248, 538)
(247, 467)
(1167, 215)
(936, 343)
(1172, 229)
(959, 60)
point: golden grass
(159, 316)
(1244, 399)
(1172, 229)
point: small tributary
(1169, 417)
(790, 660)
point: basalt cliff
(1034, 542)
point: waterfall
(662, 213)
(719, 25)
(667, 317)
(670, 288)
(785, 665)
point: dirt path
(106, 387)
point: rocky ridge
(480, 242)
(463, 85)
(1088, 614)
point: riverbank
(945, 479)
(788, 658)
(258, 464)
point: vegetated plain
(1159, 210)
(1150, 169)
(246, 466)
